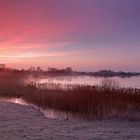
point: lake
(89, 80)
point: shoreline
(25, 122)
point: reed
(100, 101)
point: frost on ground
(18, 122)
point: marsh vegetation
(107, 100)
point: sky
(87, 35)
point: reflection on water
(89, 80)
(51, 113)
(19, 101)
(55, 114)
(48, 113)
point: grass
(99, 102)
(87, 101)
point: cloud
(65, 29)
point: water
(48, 112)
(89, 80)
(19, 101)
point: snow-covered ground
(19, 122)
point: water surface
(89, 80)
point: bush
(109, 84)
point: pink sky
(84, 34)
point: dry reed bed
(89, 101)
(104, 101)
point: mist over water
(88, 80)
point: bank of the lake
(27, 123)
